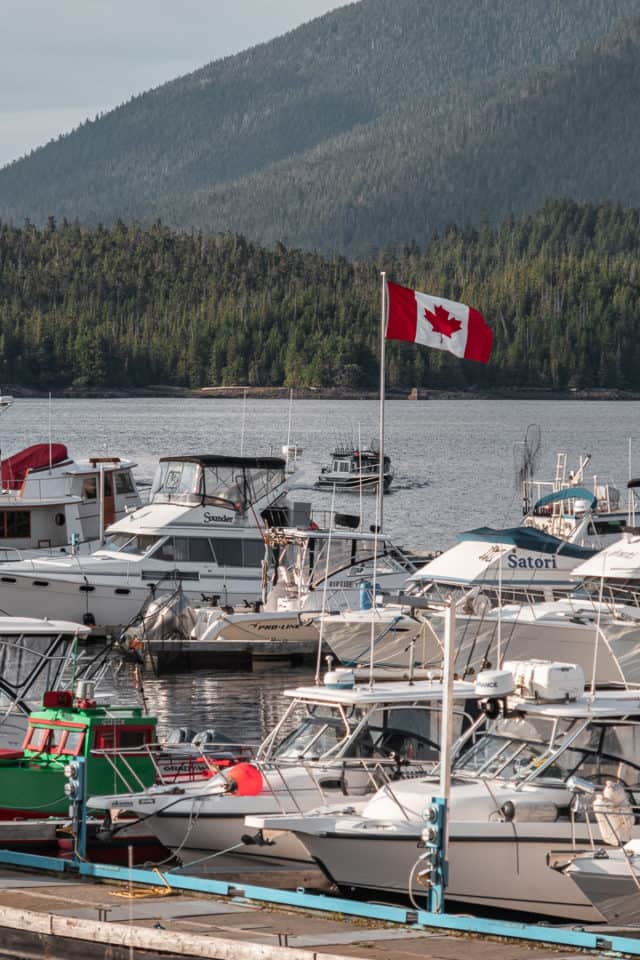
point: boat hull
(113, 604)
(609, 884)
(489, 866)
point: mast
(383, 325)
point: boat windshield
(177, 481)
(516, 748)
(324, 732)
(407, 732)
(126, 543)
(239, 487)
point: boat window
(89, 488)
(511, 746)
(125, 543)
(36, 738)
(124, 483)
(252, 553)
(224, 485)
(200, 550)
(177, 481)
(131, 738)
(228, 552)
(104, 738)
(236, 552)
(184, 550)
(56, 738)
(73, 743)
(262, 483)
(602, 751)
(116, 541)
(315, 737)
(15, 524)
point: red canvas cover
(14, 469)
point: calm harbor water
(454, 463)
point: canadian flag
(436, 322)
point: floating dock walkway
(93, 912)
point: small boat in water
(355, 469)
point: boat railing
(378, 772)
(172, 765)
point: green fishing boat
(117, 744)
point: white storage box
(546, 679)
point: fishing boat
(515, 795)
(202, 528)
(568, 504)
(352, 738)
(355, 469)
(51, 505)
(69, 726)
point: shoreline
(317, 393)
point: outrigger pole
(383, 331)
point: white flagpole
(383, 324)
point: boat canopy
(218, 460)
(35, 457)
(528, 538)
(568, 493)
(231, 482)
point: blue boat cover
(529, 539)
(569, 493)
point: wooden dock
(60, 917)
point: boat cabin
(112, 741)
(355, 468)
(52, 503)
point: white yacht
(308, 570)
(514, 797)
(346, 740)
(202, 528)
(53, 505)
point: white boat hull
(610, 883)
(490, 864)
(113, 604)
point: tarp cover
(14, 469)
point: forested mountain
(129, 307)
(371, 126)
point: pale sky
(62, 61)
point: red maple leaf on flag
(441, 322)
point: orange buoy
(244, 779)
